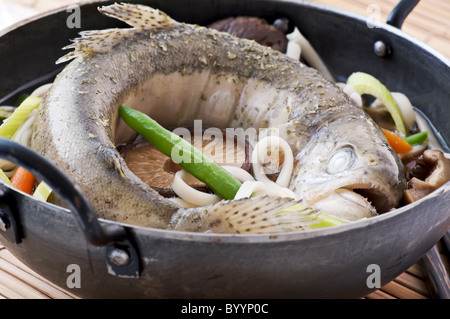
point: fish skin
(76, 126)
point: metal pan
(122, 261)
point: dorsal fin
(138, 16)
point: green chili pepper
(182, 152)
(417, 139)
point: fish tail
(138, 16)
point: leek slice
(42, 192)
(367, 84)
(4, 177)
(314, 218)
(12, 123)
(4, 114)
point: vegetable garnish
(23, 180)
(42, 191)
(4, 114)
(192, 160)
(367, 84)
(398, 144)
(320, 220)
(12, 123)
(417, 139)
(4, 177)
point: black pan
(122, 261)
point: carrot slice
(398, 144)
(23, 180)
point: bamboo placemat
(18, 281)
(429, 22)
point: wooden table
(429, 22)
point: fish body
(177, 73)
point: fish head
(348, 169)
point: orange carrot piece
(23, 180)
(398, 144)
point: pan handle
(400, 12)
(63, 186)
(122, 257)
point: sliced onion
(186, 192)
(248, 188)
(288, 165)
(239, 173)
(308, 52)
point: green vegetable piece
(4, 177)
(42, 191)
(367, 84)
(4, 114)
(314, 218)
(325, 220)
(182, 152)
(417, 139)
(20, 115)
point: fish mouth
(375, 196)
(378, 199)
(354, 201)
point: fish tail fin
(138, 16)
(256, 215)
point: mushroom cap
(431, 171)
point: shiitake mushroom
(253, 28)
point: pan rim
(285, 236)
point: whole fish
(176, 73)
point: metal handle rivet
(119, 257)
(381, 49)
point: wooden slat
(20, 287)
(416, 270)
(379, 294)
(7, 293)
(401, 292)
(32, 281)
(413, 283)
(11, 265)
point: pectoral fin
(256, 215)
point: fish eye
(342, 159)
